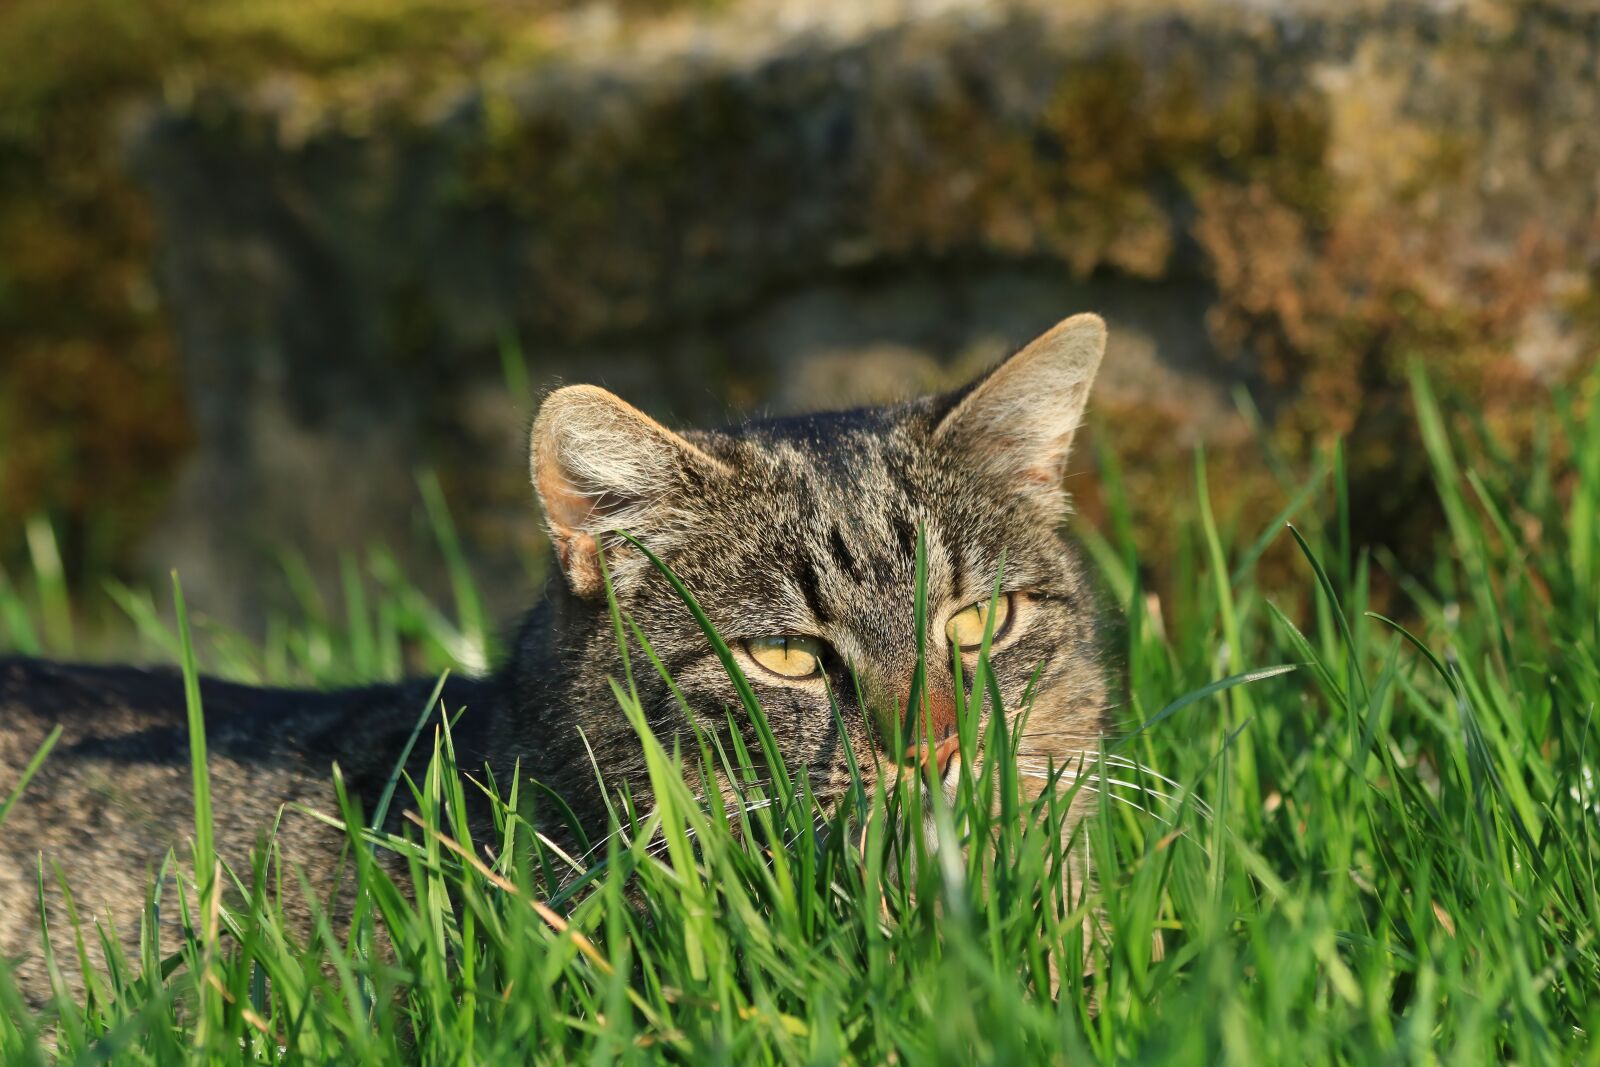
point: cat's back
(87, 702)
(133, 716)
(116, 792)
(37, 695)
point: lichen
(93, 420)
(1357, 202)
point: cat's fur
(788, 526)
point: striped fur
(808, 526)
(792, 526)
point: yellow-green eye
(965, 628)
(787, 657)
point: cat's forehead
(814, 524)
(843, 496)
(861, 463)
(824, 436)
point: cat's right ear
(599, 464)
(1019, 420)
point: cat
(798, 536)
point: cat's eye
(965, 628)
(788, 657)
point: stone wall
(751, 206)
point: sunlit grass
(1386, 853)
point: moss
(92, 416)
(1322, 214)
(1314, 214)
(1095, 178)
(1336, 318)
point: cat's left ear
(1019, 420)
(599, 464)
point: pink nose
(938, 712)
(942, 754)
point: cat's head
(798, 538)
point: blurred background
(282, 279)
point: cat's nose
(940, 755)
(944, 752)
(936, 717)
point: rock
(733, 208)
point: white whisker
(1067, 776)
(1113, 796)
(655, 849)
(1124, 762)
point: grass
(1355, 840)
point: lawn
(1322, 833)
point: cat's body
(797, 536)
(115, 794)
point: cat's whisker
(1099, 709)
(818, 823)
(575, 864)
(1088, 785)
(656, 848)
(1087, 758)
(701, 798)
(621, 831)
(1116, 760)
(1071, 771)
(1068, 777)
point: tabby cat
(798, 536)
